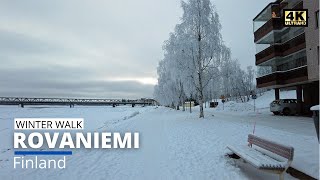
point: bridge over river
(22, 101)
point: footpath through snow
(303, 135)
(173, 145)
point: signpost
(254, 97)
(223, 101)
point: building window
(317, 19)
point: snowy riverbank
(173, 144)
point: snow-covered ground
(173, 144)
(262, 117)
(261, 103)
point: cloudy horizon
(100, 49)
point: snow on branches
(196, 62)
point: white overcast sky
(100, 48)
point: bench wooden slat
(257, 159)
(265, 155)
(281, 150)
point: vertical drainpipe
(299, 99)
(277, 93)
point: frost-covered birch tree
(200, 34)
(196, 62)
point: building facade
(288, 57)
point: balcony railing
(283, 77)
(295, 44)
(272, 24)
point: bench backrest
(281, 150)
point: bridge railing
(78, 101)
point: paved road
(294, 124)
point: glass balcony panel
(261, 47)
(262, 18)
(281, 50)
(293, 4)
(264, 23)
(287, 34)
(291, 62)
(283, 77)
(263, 70)
(283, 64)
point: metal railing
(70, 101)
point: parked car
(284, 106)
(214, 104)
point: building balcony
(281, 50)
(282, 78)
(269, 21)
(267, 28)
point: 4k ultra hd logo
(295, 17)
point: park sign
(222, 97)
(254, 96)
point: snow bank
(261, 102)
(315, 108)
(234, 106)
(267, 97)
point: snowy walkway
(294, 124)
(173, 145)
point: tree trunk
(183, 105)
(201, 107)
(201, 95)
(200, 74)
(190, 106)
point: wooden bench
(265, 155)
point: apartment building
(288, 57)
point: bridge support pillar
(113, 105)
(133, 105)
(22, 105)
